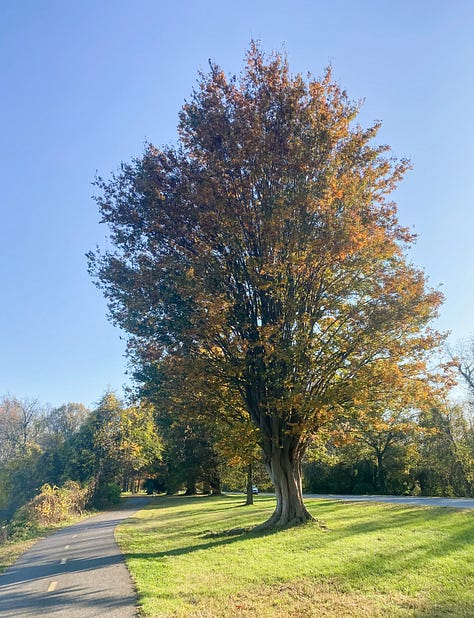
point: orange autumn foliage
(265, 253)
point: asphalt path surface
(77, 572)
(455, 503)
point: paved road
(455, 503)
(78, 572)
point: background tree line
(106, 450)
(432, 455)
(113, 448)
(170, 448)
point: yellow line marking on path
(52, 586)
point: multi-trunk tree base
(286, 519)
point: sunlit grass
(11, 550)
(374, 560)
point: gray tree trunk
(284, 467)
(249, 500)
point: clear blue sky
(85, 84)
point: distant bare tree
(66, 420)
(21, 422)
(463, 359)
(466, 365)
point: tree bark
(191, 489)
(249, 500)
(380, 478)
(216, 486)
(284, 467)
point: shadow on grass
(181, 551)
(400, 548)
(166, 502)
(442, 610)
(432, 536)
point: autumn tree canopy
(264, 252)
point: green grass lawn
(372, 560)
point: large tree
(265, 251)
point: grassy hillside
(372, 560)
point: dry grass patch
(304, 599)
(12, 550)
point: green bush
(106, 494)
(22, 525)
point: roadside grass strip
(372, 560)
(13, 548)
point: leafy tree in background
(446, 452)
(140, 447)
(21, 427)
(186, 419)
(115, 445)
(265, 250)
(383, 433)
(20, 479)
(112, 447)
(61, 425)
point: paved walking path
(77, 572)
(456, 503)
